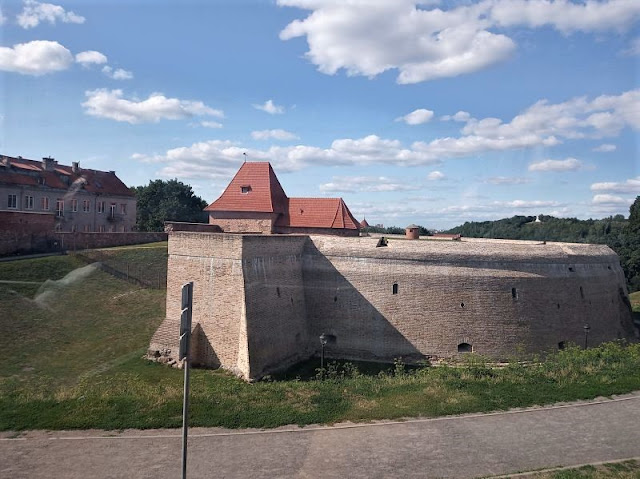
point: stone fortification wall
(503, 299)
(214, 263)
(261, 302)
(276, 312)
(238, 222)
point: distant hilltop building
(261, 301)
(63, 198)
(254, 202)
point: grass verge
(614, 470)
(72, 359)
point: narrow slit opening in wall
(581, 292)
(462, 305)
(561, 345)
(395, 288)
(465, 348)
(514, 293)
(278, 291)
(570, 269)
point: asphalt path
(473, 445)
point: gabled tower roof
(255, 188)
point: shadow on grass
(309, 370)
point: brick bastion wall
(261, 301)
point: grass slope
(71, 359)
(614, 470)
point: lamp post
(323, 342)
(586, 328)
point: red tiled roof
(95, 181)
(364, 224)
(265, 194)
(318, 213)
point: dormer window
(245, 190)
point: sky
(427, 112)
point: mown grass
(71, 358)
(615, 470)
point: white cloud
(505, 180)
(605, 148)
(570, 164)
(2, 17)
(91, 57)
(630, 186)
(541, 125)
(416, 117)
(211, 124)
(36, 12)
(276, 134)
(462, 116)
(606, 199)
(117, 74)
(36, 58)
(270, 107)
(110, 104)
(424, 42)
(435, 176)
(376, 184)
(217, 155)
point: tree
(162, 201)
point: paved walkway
(460, 447)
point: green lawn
(615, 470)
(71, 356)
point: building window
(101, 229)
(44, 203)
(465, 348)
(245, 190)
(123, 208)
(86, 206)
(581, 292)
(100, 206)
(514, 293)
(74, 205)
(12, 201)
(59, 207)
(87, 228)
(28, 202)
(395, 288)
(74, 228)
(112, 210)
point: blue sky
(433, 112)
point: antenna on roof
(245, 156)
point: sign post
(183, 354)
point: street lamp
(586, 328)
(323, 341)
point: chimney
(113, 172)
(75, 166)
(48, 163)
(6, 161)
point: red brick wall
(239, 222)
(25, 232)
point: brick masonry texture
(262, 301)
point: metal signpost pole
(185, 349)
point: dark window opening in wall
(335, 299)
(514, 293)
(558, 305)
(278, 291)
(581, 292)
(465, 348)
(571, 269)
(608, 267)
(561, 345)
(292, 300)
(462, 305)
(382, 242)
(245, 190)
(395, 288)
